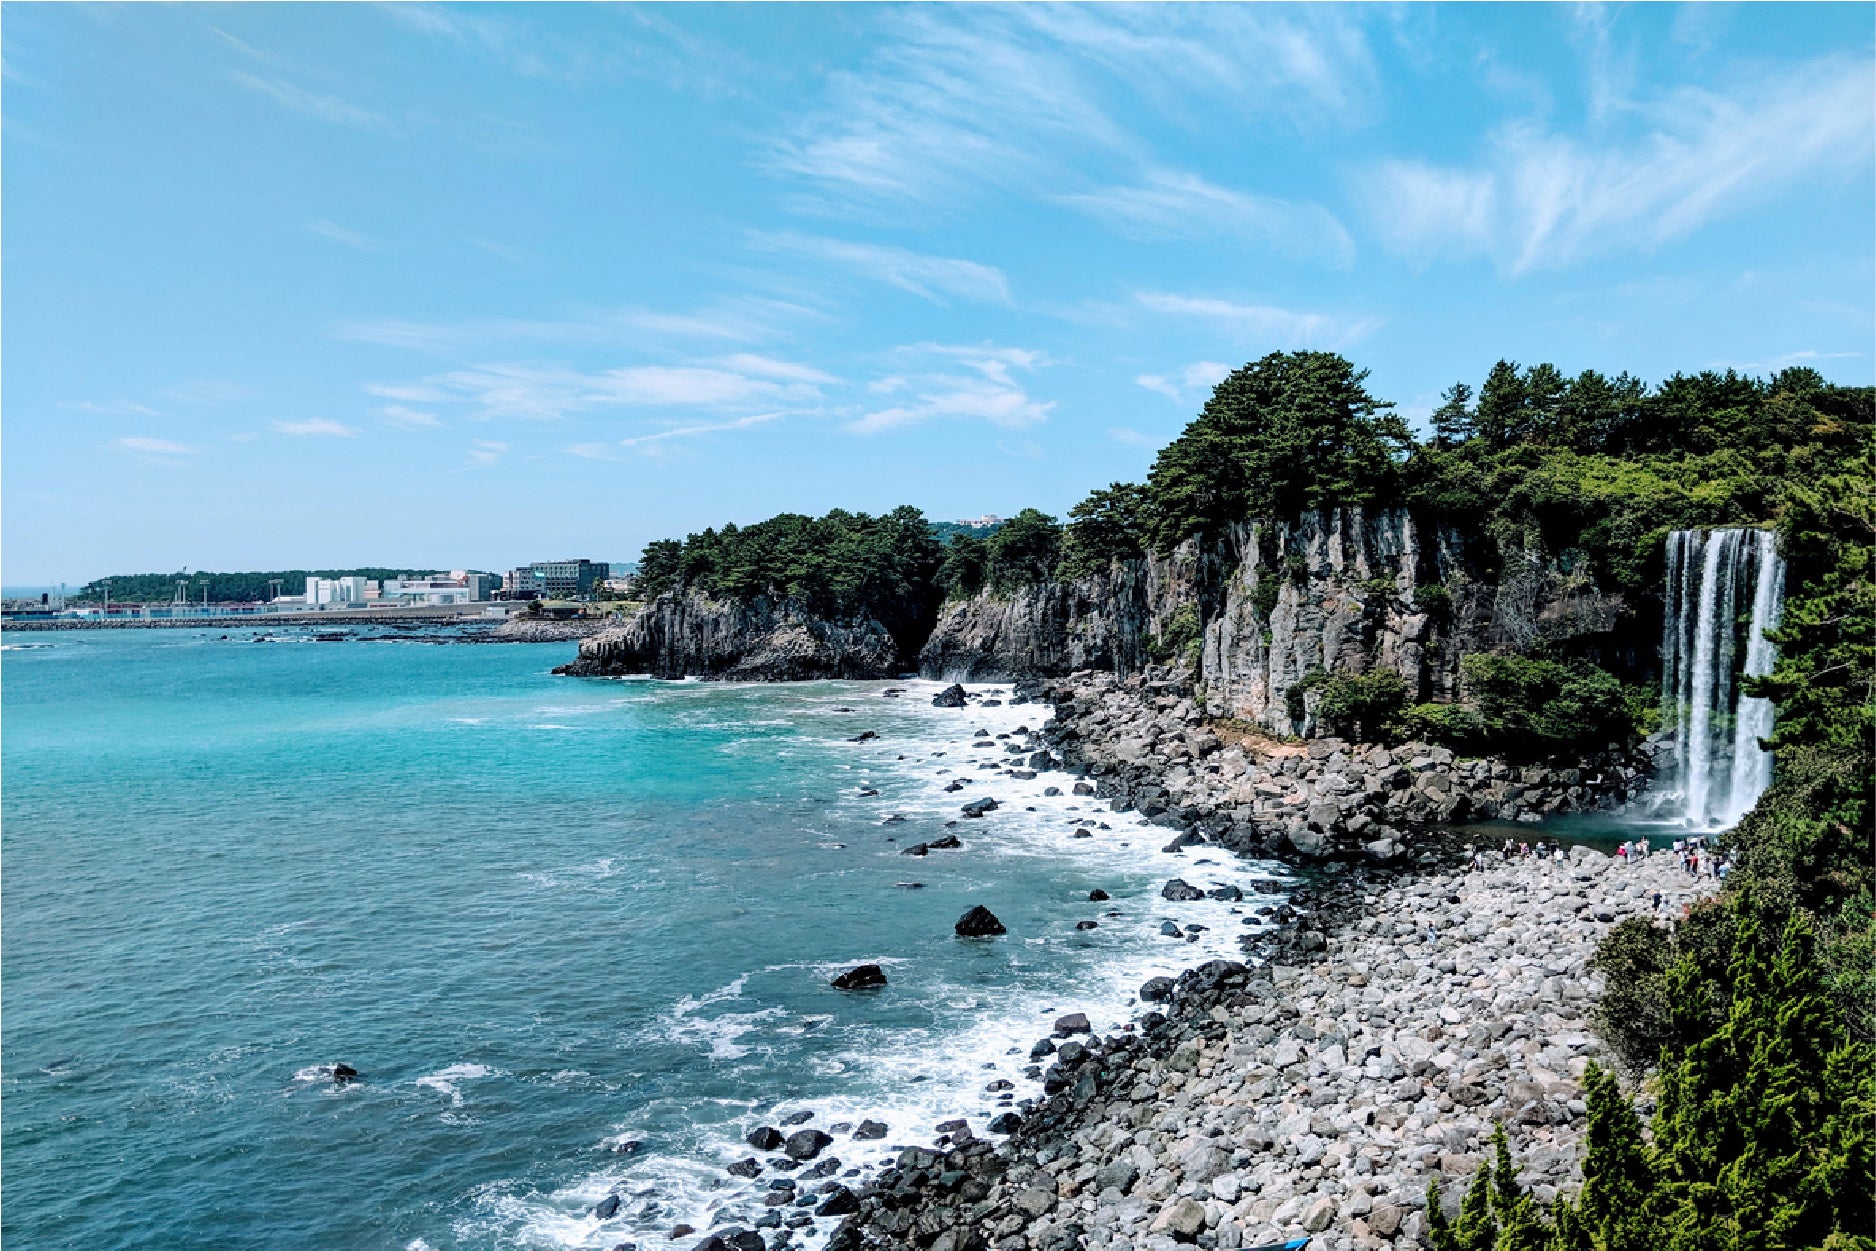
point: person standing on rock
(1621, 855)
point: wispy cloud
(1183, 384)
(990, 393)
(1020, 98)
(1541, 200)
(315, 427)
(1171, 205)
(486, 451)
(739, 319)
(110, 408)
(687, 432)
(410, 418)
(154, 447)
(1264, 324)
(932, 277)
(327, 108)
(339, 234)
(1132, 437)
(546, 392)
(514, 256)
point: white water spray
(1721, 768)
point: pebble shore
(1397, 1019)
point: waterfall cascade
(1712, 578)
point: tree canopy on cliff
(1293, 431)
(839, 565)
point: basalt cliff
(1346, 590)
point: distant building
(556, 579)
(980, 523)
(350, 590)
(620, 584)
(459, 586)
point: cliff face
(762, 640)
(1351, 590)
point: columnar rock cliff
(1349, 590)
(763, 640)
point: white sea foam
(449, 1081)
(912, 1078)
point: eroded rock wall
(1349, 590)
(761, 640)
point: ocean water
(542, 916)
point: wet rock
(343, 1072)
(916, 849)
(979, 922)
(750, 1167)
(951, 697)
(949, 842)
(865, 736)
(1097, 895)
(839, 1203)
(1157, 990)
(978, 807)
(860, 977)
(607, 1208)
(1179, 891)
(1073, 1023)
(805, 1144)
(1087, 925)
(1229, 894)
(767, 1138)
(1007, 1123)
(870, 1131)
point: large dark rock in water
(768, 1138)
(607, 1208)
(870, 1130)
(1008, 1123)
(343, 1072)
(1157, 989)
(951, 697)
(979, 922)
(1180, 891)
(860, 977)
(840, 1203)
(805, 1144)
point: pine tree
(1618, 1176)
(1453, 422)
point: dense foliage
(223, 588)
(1293, 431)
(1755, 1012)
(839, 565)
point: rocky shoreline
(1146, 747)
(1392, 1022)
(1404, 1003)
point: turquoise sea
(542, 916)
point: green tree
(1292, 431)
(1453, 421)
(961, 573)
(1109, 526)
(1022, 552)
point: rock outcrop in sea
(757, 640)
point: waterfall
(1720, 767)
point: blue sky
(292, 285)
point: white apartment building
(352, 590)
